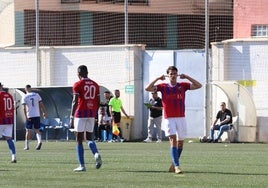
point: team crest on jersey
(89, 105)
(179, 96)
(9, 114)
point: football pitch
(133, 164)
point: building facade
(250, 18)
(176, 24)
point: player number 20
(90, 91)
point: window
(130, 2)
(70, 1)
(138, 2)
(260, 30)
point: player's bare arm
(25, 112)
(73, 108)
(195, 84)
(42, 106)
(151, 86)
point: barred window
(260, 30)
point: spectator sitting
(104, 122)
(225, 117)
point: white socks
(38, 137)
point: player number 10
(7, 103)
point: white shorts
(6, 130)
(84, 124)
(175, 126)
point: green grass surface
(136, 165)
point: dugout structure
(57, 101)
(112, 67)
(245, 62)
(240, 102)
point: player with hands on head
(173, 99)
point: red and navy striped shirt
(88, 98)
(173, 98)
(6, 108)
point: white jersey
(104, 119)
(31, 100)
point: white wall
(18, 66)
(113, 67)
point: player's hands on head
(163, 77)
(182, 76)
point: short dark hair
(172, 68)
(1, 85)
(82, 70)
(108, 92)
(28, 86)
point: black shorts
(117, 117)
(34, 122)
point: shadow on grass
(227, 173)
(145, 171)
(4, 170)
(191, 172)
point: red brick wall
(248, 13)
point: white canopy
(241, 104)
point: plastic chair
(52, 123)
(56, 124)
(45, 126)
(66, 126)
